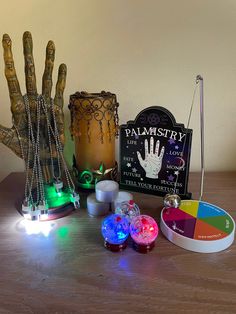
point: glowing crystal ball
(129, 209)
(115, 229)
(143, 230)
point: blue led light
(115, 229)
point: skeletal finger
(60, 86)
(30, 78)
(10, 72)
(47, 75)
(5, 135)
(9, 138)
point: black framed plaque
(154, 151)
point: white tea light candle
(106, 191)
(96, 208)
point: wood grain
(71, 272)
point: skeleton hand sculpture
(152, 162)
(16, 138)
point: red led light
(118, 218)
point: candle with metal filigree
(94, 127)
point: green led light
(56, 199)
(63, 232)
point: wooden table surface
(71, 272)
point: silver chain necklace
(53, 132)
(34, 207)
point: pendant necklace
(35, 205)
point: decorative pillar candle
(94, 126)
(106, 191)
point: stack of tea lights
(107, 197)
(126, 218)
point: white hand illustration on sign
(152, 162)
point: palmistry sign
(155, 153)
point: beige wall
(147, 52)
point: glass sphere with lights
(115, 231)
(129, 209)
(143, 231)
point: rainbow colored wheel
(198, 226)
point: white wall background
(148, 52)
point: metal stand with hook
(196, 225)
